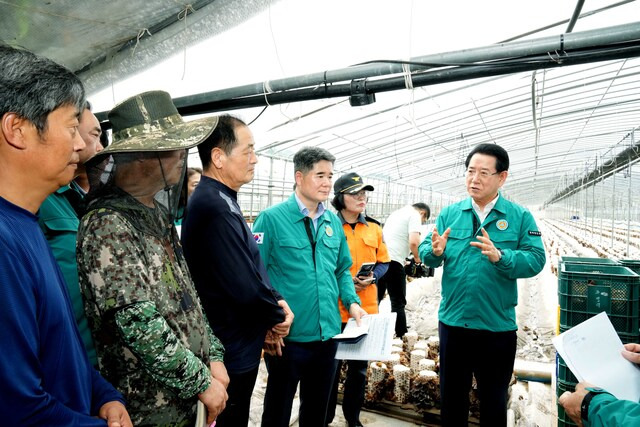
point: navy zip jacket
(229, 274)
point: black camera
(415, 270)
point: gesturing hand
(438, 242)
(486, 246)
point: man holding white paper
(305, 251)
(591, 406)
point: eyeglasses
(482, 173)
(360, 195)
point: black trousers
(354, 387)
(395, 282)
(313, 365)
(236, 413)
(489, 356)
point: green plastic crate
(563, 418)
(562, 386)
(581, 260)
(585, 290)
(563, 373)
(631, 264)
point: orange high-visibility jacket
(365, 245)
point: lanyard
(307, 225)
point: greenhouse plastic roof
(584, 116)
(557, 124)
(104, 41)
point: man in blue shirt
(46, 377)
(225, 264)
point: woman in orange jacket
(364, 237)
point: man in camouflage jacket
(152, 337)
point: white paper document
(591, 350)
(376, 345)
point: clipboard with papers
(352, 332)
(369, 341)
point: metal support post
(613, 211)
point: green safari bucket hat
(150, 121)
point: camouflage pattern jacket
(153, 340)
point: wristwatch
(586, 401)
(501, 255)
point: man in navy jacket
(225, 263)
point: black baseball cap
(350, 183)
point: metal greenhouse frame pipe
(198, 104)
(462, 65)
(559, 43)
(628, 156)
(564, 21)
(574, 17)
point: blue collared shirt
(305, 211)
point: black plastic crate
(585, 290)
(582, 260)
(631, 264)
(563, 418)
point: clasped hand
(274, 341)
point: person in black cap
(364, 238)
